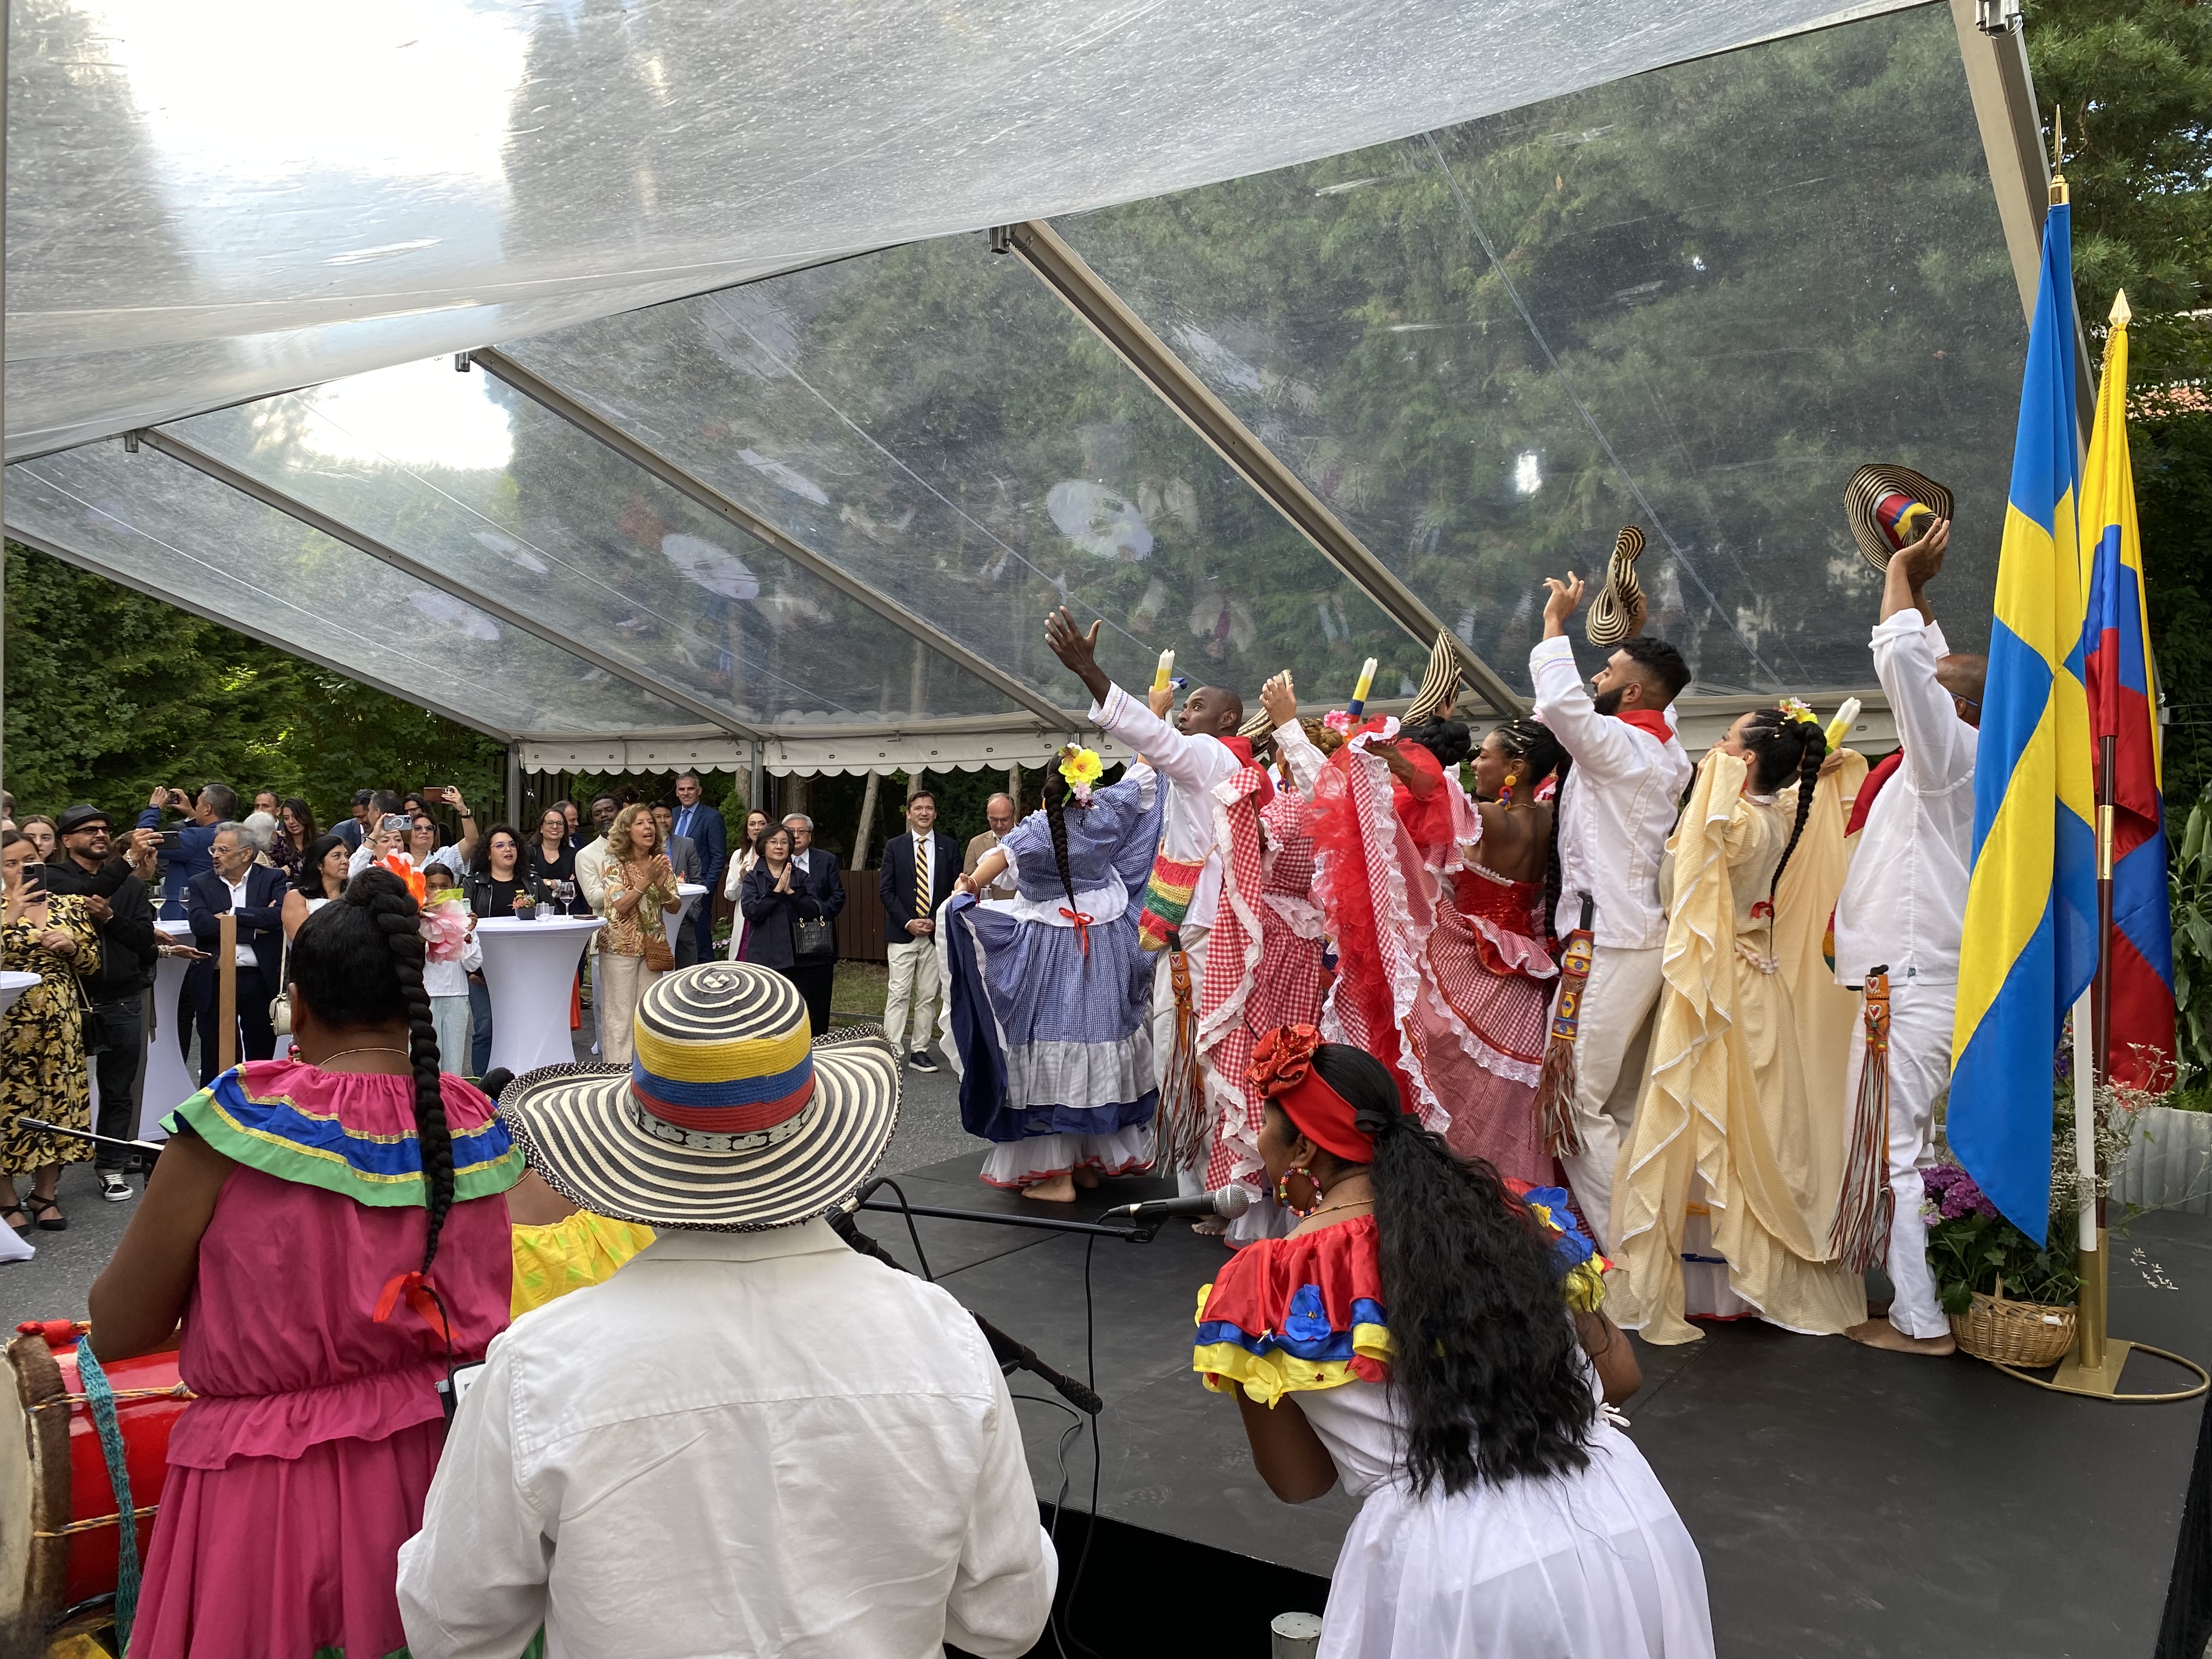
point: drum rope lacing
(100, 1399)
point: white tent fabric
(212, 202)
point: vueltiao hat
(729, 1119)
(1613, 614)
(1439, 684)
(1889, 508)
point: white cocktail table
(690, 892)
(528, 967)
(13, 981)
(169, 1082)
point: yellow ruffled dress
(1725, 1117)
(556, 1257)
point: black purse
(813, 938)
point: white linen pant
(914, 986)
(1919, 1071)
(1164, 1029)
(617, 982)
(1612, 1040)
(449, 1017)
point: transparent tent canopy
(1692, 300)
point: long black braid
(1533, 743)
(1487, 1374)
(1058, 792)
(358, 961)
(1782, 744)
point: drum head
(34, 1492)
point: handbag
(813, 938)
(279, 1006)
(660, 954)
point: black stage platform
(1846, 1502)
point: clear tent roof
(1693, 299)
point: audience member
(499, 884)
(683, 858)
(42, 1070)
(573, 820)
(817, 869)
(255, 893)
(322, 878)
(742, 860)
(421, 846)
(655, 1509)
(1000, 813)
(115, 901)
(704, 827)
(591, 858)
(295, 829)
(549, 858)
(260, 831)
(351, 830)
(918, 877)
(265, 800)
(640, 895)
(215, 804)
(44, 835)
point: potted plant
(2011, 1298)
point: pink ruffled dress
(302, 1467)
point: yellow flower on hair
(1081, 767)
(1798, 709)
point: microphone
(1232, 1201)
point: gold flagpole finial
(2057, 156)
(2121, 316)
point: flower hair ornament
(1282, 1070)
(1080, 768)
(404, 868)
(1798, 709)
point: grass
(861, 989)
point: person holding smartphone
(190, 854)
(42, 1069)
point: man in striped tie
(919, 870)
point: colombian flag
(2138, 1047)
(2030, 934)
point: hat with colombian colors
(1890, 507)
(728, 1120)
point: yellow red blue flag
(2030, 934)
(2137, 1044)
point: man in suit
(256, 893)
(683, 859)
(999, 812)
(817, 868)
(704, 825)
(217, 803)
(919, 870)
(352, 830)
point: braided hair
(1448, 740)
(1058, 792)
(1486, 1367)
(1533, 743)
(1783, 747)
(358, 961)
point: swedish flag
(2030, 934)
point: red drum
(51, 1463)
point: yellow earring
(1507, 790)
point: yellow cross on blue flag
(2030, 947)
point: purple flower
(1953, 1193)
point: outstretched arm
(1079, 651)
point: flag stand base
(2093, 1369)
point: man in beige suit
(1000, 812)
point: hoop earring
(1283, 1191)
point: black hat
(76, 818)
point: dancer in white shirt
(1903, 906)
(1612, 819)
(809, 1454)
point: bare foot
(1059, 1189)
(1086, 1179)
(1212, 1227)
(1881, 1333)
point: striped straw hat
(1890, 507)
(1613, 614)
(728, 1120)
(1439, 684)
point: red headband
(1282, 1071)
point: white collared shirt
(741, 1443)
(1192, 766)
(1903, 903)
(247, 957)
(1616, 811)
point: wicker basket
(2023, 1333)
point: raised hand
(1077, 650)
(1280, 697)
(1565, 598)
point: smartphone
(171, 839)
(395, 823)
(34, 876)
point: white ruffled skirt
(1591, 1565)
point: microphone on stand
(1230, 1201)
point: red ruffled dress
(1590, 1564)
(301, 1465)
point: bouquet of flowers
(1972, 1247)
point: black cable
(906, 1210)
(1091, 1530)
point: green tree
(111, 693)
(2135, 79)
